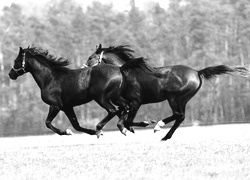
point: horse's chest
(46, 97)
(51, 96)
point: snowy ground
(211, 152)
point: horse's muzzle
(13, 75)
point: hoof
(165, 138)
(124, 131)
(99, 133)
(150, 121)
(69, 132)
(131, 129)
(158, 126)
(156, 130)
(146, 123)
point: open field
(213, 152)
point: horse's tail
(213, 71)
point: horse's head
(116, 55)
(19, 67)
(33, 56)
(96, 58)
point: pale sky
(118, 5)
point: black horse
(178, 84)
(63, 88)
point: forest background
(197, 33)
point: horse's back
(180, 78)
(176, 77)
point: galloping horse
(63, 88)
(177, 84)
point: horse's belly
(153, 92)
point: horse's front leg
(73, 120)
(112, 111)
(103, 122)
(123, 115)
(53, 111)
(133, 108)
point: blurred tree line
(197, 33)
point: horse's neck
(40, 72)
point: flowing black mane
(54, 62)
(123, 52)
(138, 63)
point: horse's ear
(98, 47)
(20, 49)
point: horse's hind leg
(161, 123)
(133, 109)
(144, 123)
(122, 117)
(72, 118)
(179, 115)
(53, 111)
(178, 105)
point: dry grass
(215, 152)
